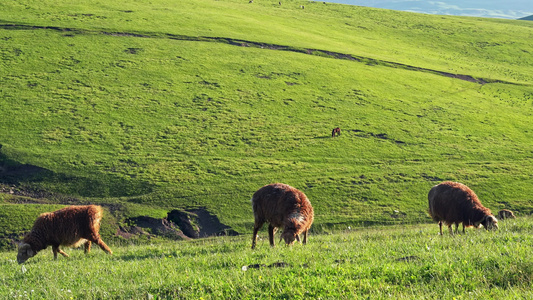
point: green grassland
(149, 107)
(144, 107)
(399, 262)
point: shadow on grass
(34, 181)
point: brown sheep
(282, 206)
(506, 214)
(335, 131)
(454, 203)
(70, 226)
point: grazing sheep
(282, 206)
(454, 203)
(335, 131)
(70, 226)
(506, 214)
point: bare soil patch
(179, 224)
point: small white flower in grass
(427, 247)
(23, 269)
(244, 268)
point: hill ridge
(247, 43)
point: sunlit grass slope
(149, 107)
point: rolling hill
(146, 108)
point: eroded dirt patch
(202, 222)
(179, 224)
(149, 226)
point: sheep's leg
(305, 237)
(271, 232)
(63, 253)
(450, 228)
(456, 228)
(463, 228)
(257, 226)
(298, 238)
(87, 247)
(95, 238)
(440, 227)
(56, 250)
(103, 246)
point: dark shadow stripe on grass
(245, 43)
(33, 181)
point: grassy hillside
(148, 107)
(399, 262)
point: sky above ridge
(505, 9)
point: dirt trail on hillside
(245, 43)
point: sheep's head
(292, 228)
(490, 222)
(25, 252)
(289, 236)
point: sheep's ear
(25, 246)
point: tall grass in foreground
(410, 262)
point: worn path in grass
(256, 44)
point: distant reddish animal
(506, 214)
(336, 131)
(70, 226)
(282, 206)
(454, 203)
